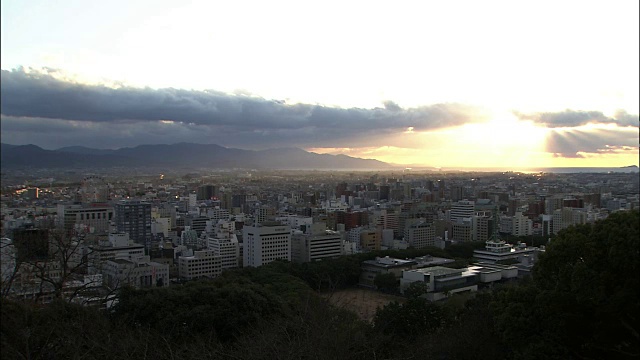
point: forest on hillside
(582, 302)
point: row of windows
(93, 216)
(322, 251)
(201, 267)
(275, 253)
(271, 258)
(272, 240)
(200, 273)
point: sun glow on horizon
(504, 141)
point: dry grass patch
(363, 302)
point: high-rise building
(457, 192)
(352, 219)
(547, 224)
(565, 217)
(522, 225)
(206, 192)
(371, 239)
(238, 200)
(197, 223)
(384, 192)
(481, 228)
(318, 243)
(385, 219)
(461, 210)
(224, 243)
(193, 200)
(462, 230)
(189, 237)
(264, 213)
(553, 203)
(420, 234)
(134, 218)
(266, 242)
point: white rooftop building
(204, 263)
(318, 243)
(224, 243)
(266, 242)
(139, 273)
(441, 281)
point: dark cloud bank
(36, 105)
(39, 108)
(571, 118)
(571, 144)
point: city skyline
(497, 84)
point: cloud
(579, 143)
(390, 105)
(572, 118)
(36, 102)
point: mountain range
(182, 155)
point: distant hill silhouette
(183, 155)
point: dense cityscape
(199, 224)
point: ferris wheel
(94, 189)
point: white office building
(224, 243)
(565, 217)
(139, 273)
(318, 243)
(203, 263)
(517, 225)
(95, 217)
(266, 242)
(441, 281)
(461, 210)
(118, 246)
(295, 221)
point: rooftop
(389, 262)
(439, 271)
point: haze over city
(466, 84)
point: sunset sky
(430, 83)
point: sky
(423, 83)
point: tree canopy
(585, 295)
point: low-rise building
(500, 252)
(138, 273)
(386, 265)
(490, 273)
(441, 281)
(204, 263)
(118, 246)
(95, 217)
